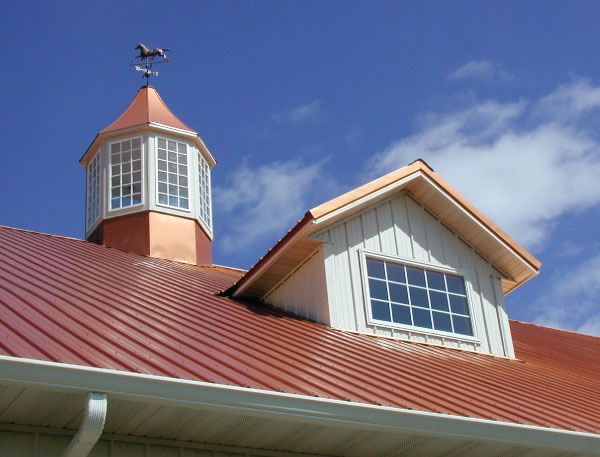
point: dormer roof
(515, 263)
(147, 107)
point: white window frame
(110, 209)
(427, 266)
(94, 176)
(189, 184)
(202, 162)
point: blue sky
(300, 101)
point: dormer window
(172, 174)
(126, 173)
(409, 295)
(93, 191)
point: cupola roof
(147, 107)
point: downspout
(91, 426)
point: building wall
(401, 227)
(304, 291)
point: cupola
(148, 186)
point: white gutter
(283, 406)
(91, 426)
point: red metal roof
(67, 300)
(147, 106)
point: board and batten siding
(401, 227)
(303, 291)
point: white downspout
(91, 426)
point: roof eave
(292, 408)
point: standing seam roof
(66, 300)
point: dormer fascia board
(364, 196)
(151, 126)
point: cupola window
(409, 295)
(126, 173)
(172, 174)
(93, 191)
(204, 189)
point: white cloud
(570, 101)
(577, 293)
(482, 70)
(266, 200)
(521, 169)
(299, 114)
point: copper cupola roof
(146, 108)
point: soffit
(58, 412)
(70, 301)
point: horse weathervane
(148, 57)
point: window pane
(183, 181)
(172, 167)
(162, 154)
(380, 310)
(462, 325)
(398, 293)
(115, 147)
(162, 165)
(375, 268)
(421, 317)
(136, 143)
(162, 176)
(435, 280)
(183, 203)
(173, 201)
(456, 284)
(162, 187)
(162, 143)
(378, 289)
(172, 157)
(416, 276)
(439, 300)
(418, 297)
(137, 199)
(172, 146)
(401, 314)
(395, 272)
(115, 203)
(183, 170)
(459, 304)
(441, 321)
(162, 199)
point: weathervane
(148, 58)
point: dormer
(148, 184)
(404, 256)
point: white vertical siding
(402, 227)
(304, 291)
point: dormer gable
(402, 256)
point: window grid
(93, 190)
(126, 173)
(172, 174)
(416, 301)
(204, 189)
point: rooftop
(70, 301)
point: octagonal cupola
(148, 184)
